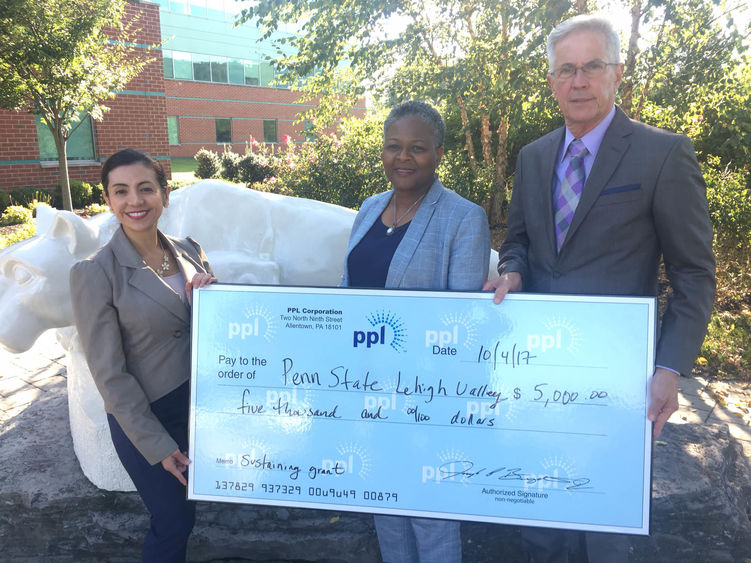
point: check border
(259, 291)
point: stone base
(49, 511)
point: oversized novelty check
(433, 404)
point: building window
(219, 69)
(202, 68)
(173, 130)
(223, 130)
(177, 6)
(236, 72)
(183, 65)
(80, 145)
(251, 73)
(269, 131)
(167, 63)
(198, 8)
(267, 74)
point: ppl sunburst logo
(386, 329)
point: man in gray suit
(596, 204)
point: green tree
(481, 62)
(689, 78)
(58, 61)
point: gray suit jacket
(135, 332)
(644, 200)
(446, 246)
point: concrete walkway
(24, 377)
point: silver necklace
(164, 268)
(392, 228)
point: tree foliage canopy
(58, 61)
(484, 64)
(479, 61)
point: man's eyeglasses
(592, 69)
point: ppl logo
(258, 322)
(386, 329)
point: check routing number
(424, 403)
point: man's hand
(664, 398)
(510, 281)
(177, 464)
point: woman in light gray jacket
(419, 235)
(131, 307)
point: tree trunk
(486, 139)
(494, 205)
(62, 159)
(581, 6)
(633, 49)
(468, 144)
(501, 162)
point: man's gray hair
(586, 22)
(424, 111)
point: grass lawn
(183, 164)
(183, 168)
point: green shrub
(208, 164)
(229, 162)
(80, 193)
(95, 209)
(97, 193)
(343, 170)
(4, 200)
(253, 168)
(41, 196)
(177, 184)
(15, 215)
(273, 186)
(26, 231)
(28, 194)
(725, 351)
(729, 201)
(456, 174)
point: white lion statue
(248, 236)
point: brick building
(209, 85)
(137, 118)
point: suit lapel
(188, 266)
(412, 237)
(144, 279)
(609, 155)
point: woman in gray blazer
(131, 307)
(419, 235)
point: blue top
(368, 263)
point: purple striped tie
(566, 196)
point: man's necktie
(567, 195)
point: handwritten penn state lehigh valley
(432, 403)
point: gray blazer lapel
(414, 234)
(611, 152)
(144, 279)
(185, 261)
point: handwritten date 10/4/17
(499, 357)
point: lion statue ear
(67, 227)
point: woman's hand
(177, 464)
(200, 279)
